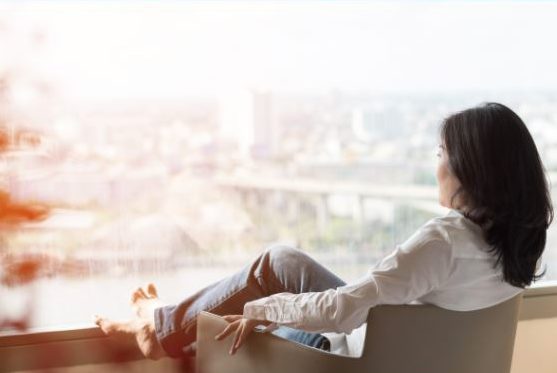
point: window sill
(63, 347)
(72, 345)
(542, 288)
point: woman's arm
(413, 269)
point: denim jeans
(278, 269)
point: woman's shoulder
(448, 227)
(457, 233)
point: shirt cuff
(254, 311)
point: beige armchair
(399, 339)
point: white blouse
(444, 263)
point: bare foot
(140, 330)
(145, 301)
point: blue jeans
(278, 269)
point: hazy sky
(144, 49)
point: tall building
(246, 118)
(377, 123)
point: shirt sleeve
(413, 269)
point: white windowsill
(86, 344)
(89, 330)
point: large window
(172, 141)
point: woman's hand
(242, 327)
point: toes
(152, 290)
(103, 323)
(138, 294)
(143, 332)
(113, 327)
(142, 292)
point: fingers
(239, 338)
(233, 347)
(241, 328)
(230, 328)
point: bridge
(289, 191)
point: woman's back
(470, 281)
(474, 281)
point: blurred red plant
(20, 269)
(15, 213)
(4, 139)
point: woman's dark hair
(503, 185)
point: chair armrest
(262, 352)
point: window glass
(171, 142)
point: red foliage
(23, 138)
(4, 140)
(14, 213)
(20, 270)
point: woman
(483, 252)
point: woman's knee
(284, 253)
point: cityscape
(152, 189)
(183, 188)
(326, 172)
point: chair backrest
(429, 339)
(399, 339)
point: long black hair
(503, 185)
